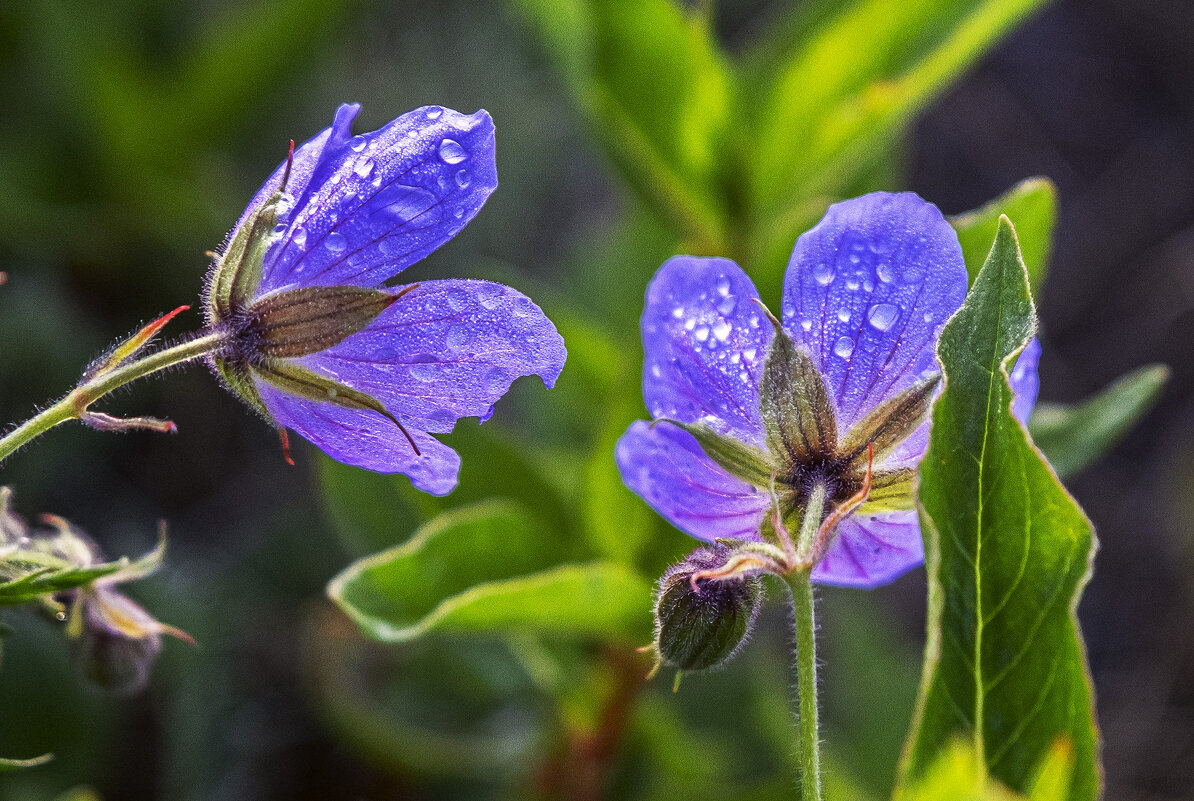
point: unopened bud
(703, 624)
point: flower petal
(446, 350)
(365, 439)
(871, 551)
(705, 344)
(369, 206)
(867, 289)
(1025, 381)
(666, 467)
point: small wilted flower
(701, 623)
(315, 344)
(113, 639)
(825, 408)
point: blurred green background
(132, 134)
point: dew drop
(823, 274)
(434, 113)
(497, 379)
(457, 299)
(357, 143)
(280, 228)
(451, 151)
(885, 273)
(882, 316)
(855, 258)
(678, 312)
(424, 371)
(702, 333)
(843, 315)
(363, 168)
(490, 296)
(300, 237)
(750, 353)
(335, 242)
(726, 306)
(807, 325)
(655, 371)
(690, 324)
(844, 347)
(723, 286)
(852, 284)
(463, 180)
(722, 330)
(868, 285)
(457, 336)
(459, 213)
(411, 134)
(928, 317)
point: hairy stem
(805, 659)
(74, 405)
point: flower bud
(117, 641)
(703, 624)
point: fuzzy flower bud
(703, 624)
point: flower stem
(806, 684)
(74, 405)
(805, 624)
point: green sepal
(891, 491)
(299, 322)
(238, 270)
(890, 423)
(240, 381)
(301, 382)
(798, 417)
(752, 465)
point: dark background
(103, 224)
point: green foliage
(488, 568)
(1008, 552)
(1074, 436)
(958, 774)
(739, 155)
(1032, 203)
(42, 581)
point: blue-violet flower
(315, 344)
(830, 401)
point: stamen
(289, 162)
(284, 436)
(845, 509)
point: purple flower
(313, 343)
(866, 293)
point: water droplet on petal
(722, 330)
(357, 143)
(424, 371)
(434, 113)
(884, 272)
(280, 228)
(702, 333)
(823, 274)
(457, 299)
(459, 213)
(844, 347)
(335, 242)
(655, 371)
(843, 315)
(807, 325)
(928, 317)
(462, 179)
(690, 324)
(490, 295)
(726, 306)
(852, 284)
(678, 312)
(723, 286)
(883, 316)
(457, 336)
(750, 353)
(299, 238)
(868, 285)
(451, 151)
(363, 168)
(497, 380)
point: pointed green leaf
(846, 90)
(1008, 552)
(797, 416)
(657, 92)
(18, 764)
(1074, 436)
(485, 568)
(1032, 206)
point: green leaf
(1074, 436)
(851, 86)
(618, 527)
(1032, 206)
(1008, 552)
(43, 581)
(486, 568)
(17, 764)
(657, 91)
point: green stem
(805, 624)
(806, 684)
(75, 403)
